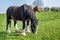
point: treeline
(51, 9)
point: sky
(4, 4)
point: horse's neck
(33, 18)
(34, 11)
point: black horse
(23, 13)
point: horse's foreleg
(27, 28)
(8, 26)
(15, 25)
(24, 27)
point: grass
(48, 28)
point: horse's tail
(8, 12)
(8, 17)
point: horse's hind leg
(8, 25)
(15, 25)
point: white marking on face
(16, 28)
(8, 30)
(36, 29)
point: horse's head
(34, 26)
(36, 9)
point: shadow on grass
(14, 34)
(3, 36)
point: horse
(36, 9)
(22, 13)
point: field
(48, 28)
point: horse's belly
(16, 18)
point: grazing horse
(23, 13)
(36, 9)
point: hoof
(23, 33)
(8, 32)
(36, 32)
(27, 30)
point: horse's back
(20, 12)
(12, 8)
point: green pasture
(48, 28)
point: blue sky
(4, 4)
(52, 3)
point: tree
(38, 3)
